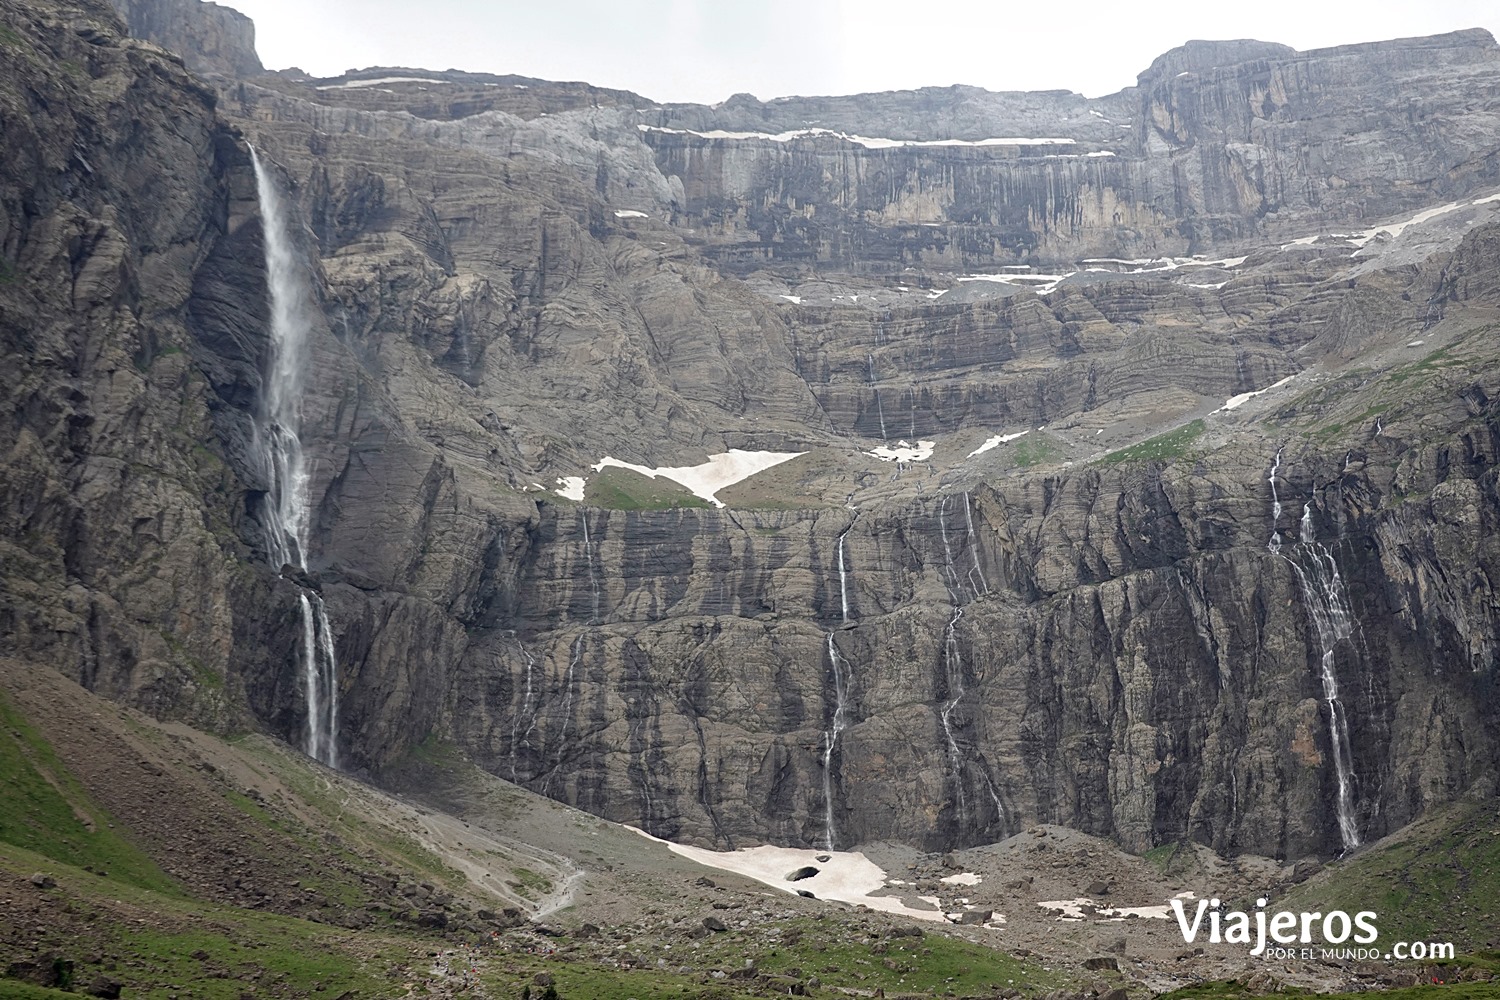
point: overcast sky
(705, 50)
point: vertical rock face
(1219, 141)
(130, 329)
(1083, 624)
(211, 38)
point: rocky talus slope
(1088, 624)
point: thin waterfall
(278, 444)
(1275, 543)
(527, 713)
(844, 573)
(954, 666)
(1327, 604)
(837, 723)
(575, 656)
(984, 585)
(588, 554)
(830, 740)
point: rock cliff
(1103, 597)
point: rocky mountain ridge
(1082, 625)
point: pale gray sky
(705, 50)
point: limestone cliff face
(211, 38)
(130, 329)
(1084, 625)
(1218, 142)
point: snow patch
(904, 452)
(1235, 402)
(1039, 283)
(996, 441)
(1073, 909)
(847, 877)
(354, 84)
(964, 878)
(572, 487)
(719, 472)
(869, 142)
(795, 300)
(630, 213)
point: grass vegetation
(1164, 447)
(624, 489)
(1029, 451)
(1440, 882)
(840, 953)
(47, 811)
(1234, 990)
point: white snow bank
(353, 84)
(719, 472)
(572, 487)
(1235, 402)
(996, 441)
(1039, 283)
(964, 878)
(904, 452)
(848, 877)
(869, 142)
(1395, 229)
(630, 213)
(795, 300)
(1072, 909)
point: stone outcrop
(1084, 625)
(211, 38)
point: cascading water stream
(953, 666)
(984, 585)
(837, 723)
(527, 714)
(830, 741)
(1327, 604)
(844, 574)
(279, 446)
(1275, 543)
(588, 554)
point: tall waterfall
(288, 508)
(844, 574)
(1327, 604)
(830, 740)
(837, 723)
(960, 763)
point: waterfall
(288, 508)
(518, 736)
(950, 577)
(588, 553)
(984, 585)
(830, 741)
(1274, 545)
(575, 656)
(844, 573)
(953, 665)
(1327, 605)
(870, 358)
